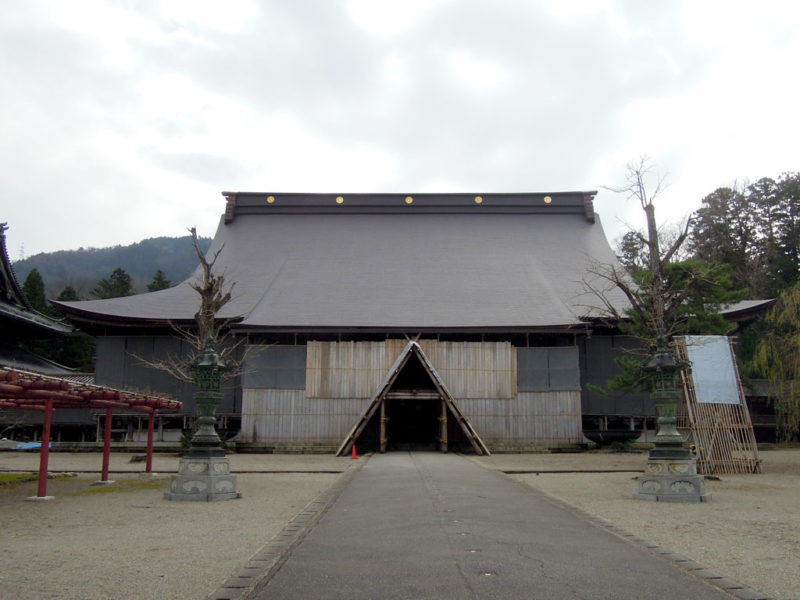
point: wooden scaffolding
(722, 433)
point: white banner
(713, 369)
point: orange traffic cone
(354, 452)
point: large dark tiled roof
(394, 261)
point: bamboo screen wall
(288, 417)
(356, 369)
(482, 378)
(533, 419)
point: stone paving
(439, 526)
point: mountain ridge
(82, 268)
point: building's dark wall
(275, 367)
(597, 365)
(62, 416)
(548, 369)
(119, 364)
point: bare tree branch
(677, 243)
(209, 331)
(635, 187)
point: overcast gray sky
(125, 120)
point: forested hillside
(81, 269)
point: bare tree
(673, 294)
(17, 422)
(635, 187)
(210, 333)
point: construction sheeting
(713, 369)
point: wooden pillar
(44, 453)
(383, 426)
(106, 446)
(150, 426)
(443, 427)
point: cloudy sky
(125, 120)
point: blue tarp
(29, 446)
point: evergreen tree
(631, 251)
(68, 294)
(116, 285)
(76, 350)
(789, 230)
(755, 230)
(769, 215)
(160, 282)
(33, 288)
(725, 232)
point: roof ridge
(250, 203)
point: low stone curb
(260, 568)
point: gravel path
(749, 532)
(124, 541)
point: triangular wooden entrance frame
(380, 396)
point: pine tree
(116, 285)
(755, 231)
(33, 288)
(725, 231)
(77, 350)
(68, 294)
(160, 282)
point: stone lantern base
(672, 480)
(203, 479)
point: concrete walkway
(427, 525)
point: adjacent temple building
(394, 321)
(20, 322)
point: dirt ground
(124, 541)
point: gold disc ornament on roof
(409, 199)
(270, 199)
(547, 199)
(478, 199)
(339, 199)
